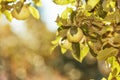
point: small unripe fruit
(74, 34)
(64, 43)
(23, 14)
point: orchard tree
(91, 26)
(86, 26)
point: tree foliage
(19, 9)
(87, 26)
(98, 22)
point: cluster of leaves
(19, 9)
(92, 27)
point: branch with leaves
(92, 27)
(19, 9)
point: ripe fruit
(90, 60)
(104, 68)
(74, 34)
(23, 14)
(64, 43)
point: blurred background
(25, 51)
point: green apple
(64, 43)
(24, 13)
(104, 68)
(74, 34)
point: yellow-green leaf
(37, 2)
(76, 50)
(110, 76)
(66, 13)
(56, 41)
(107, 52)
(63, 2)
(34, 12)
(108, 5)
(83, 52)
(63, 50)
(118, 77)
(115, 68)
(55, 44)
(18, 6)
(8, 15)
(91, 4)
(10, 0)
